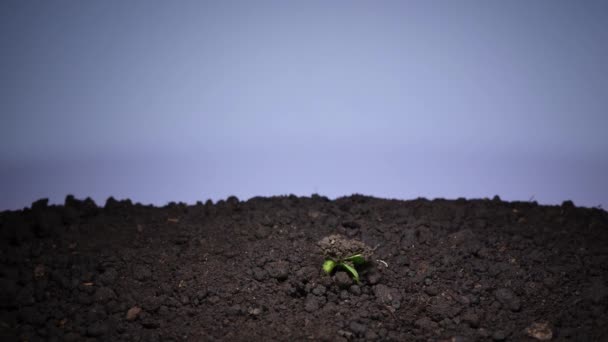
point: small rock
(508, 299)
(431, 290)
(133, 313)
(254, 311)
(540, 331)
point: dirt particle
(540, 331)
(152, 303)
(374, 277)
(387, 296)
(311, 304)
(342, 279)
(133, 313)
(339, 247)
(39, 271)
(278, 270)
(319, 290)
(259, 274)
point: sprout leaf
(329, 265)
(356, 259)
(351, 269)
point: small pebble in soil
(133, 313)
(540, 331)
(254, 311)
(431, 290)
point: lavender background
(187, 100)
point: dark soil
(463, 270)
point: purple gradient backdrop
(183, 101)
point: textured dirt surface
(251, 271)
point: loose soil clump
(339, 247)
(441, 270)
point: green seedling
(347, 263)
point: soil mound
(450, 270)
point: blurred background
(164, 101)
